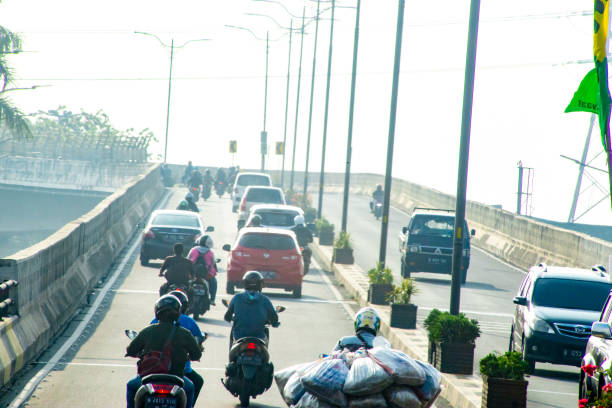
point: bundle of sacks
(376, 378)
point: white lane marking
(30, 387)
(337, 294)
(553, 392)
(471, 312)
(121, 365)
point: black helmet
(256, 220)
(205, 241)
(182, 297)
(253, 281)
(167, 308)
(379, 187)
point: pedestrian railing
(7, 298)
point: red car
(273, 252)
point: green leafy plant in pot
(325, 230)
(452, 341)
(503, 380)
(403, 313)
(381, 284)
(343, 251)
(310, 214)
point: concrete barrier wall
(56, 274)
(67, 174)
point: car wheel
(530, 363)
(405, 273)
(511, 345)
(229, 288)
(144, 261)
(297, 292)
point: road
(487, 295)
(94, 369)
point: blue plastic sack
(310, 401)
(369, 401)
(402, 397)
(431, 388)
(326, 380)
(294, 390)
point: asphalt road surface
(94, 370)
(487, 295)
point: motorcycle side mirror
(210, 228)
(225, 302)
(280, 309)
(473, 232)
(204, 337)
(131, 334)
(226, 247)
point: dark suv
(555, 308)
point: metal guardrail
(7, 302)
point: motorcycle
(249, 372)
(161, 390)
(376, 208)
(195, 191)
(199, 302)
(306, 256)
(206, 191)
(220, 188)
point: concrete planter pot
(326, 237)
(378, 293)
(452, 358)
(403, 316)
(503, 393)
(343, 256)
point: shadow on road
(558, 375)
(467, 285)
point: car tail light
(149, 234)
(243, 204)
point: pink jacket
(208, 258)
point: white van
(243, 180)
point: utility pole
(312, 83)
(585, 151)
(297, 104)
(394, 94)
(464, 151)
(519, 194)
(168, 109)
(349, 142)
(264, 134)
(286, 105)
(329, 66)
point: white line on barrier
(501, 261)
(30, 387)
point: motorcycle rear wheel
(244, 396)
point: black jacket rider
(303, 234)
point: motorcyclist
(303, 234)
(188, 323)
(183, 205)
(191, 205)
(250, 310)
(205, 267)
(188, 171)
(152, 338)
(255, 221)
(367, 326)
(377, 196)
(208, 179)
(176, 269)
(220, 177)
(195, 179)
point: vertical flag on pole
(601, 18)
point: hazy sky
(526, 75)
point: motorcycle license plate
(268, 274)
(155, 401)
(249, 360)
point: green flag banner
(586, 97)
(600, 41)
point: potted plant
(326, 231)
(343, 252)
(310, 214)
(503, 380)
(403, 313)
(452, 342)
(381, 284)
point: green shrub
(323, 225)
(310, 214)
(343, 240)
(380, 275)
(509, 366)
(446, 328)
(401, 294)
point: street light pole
(297, 104)
(264, 135)
(312, 84)
(329, 65)
(394, 93)
(168, 109)
(349, 148)
(286, 104)
(464, 151)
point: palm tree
(11, 117)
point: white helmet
(298, 220)
(368, 319)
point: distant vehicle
(258, 195)
(272, 252)
(275, 215)
(555, 308)
(598, 355)
(166, 228)
(426, 243)
(243, 180)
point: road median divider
(461, 391)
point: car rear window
(277, 218)
(267, 241)
(176, 220)
(570, 294)
(264, 195)
(434, 225)
(253, 180)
